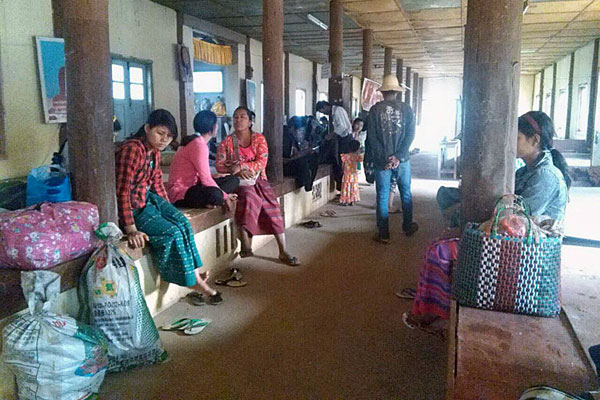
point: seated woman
(190, 181)
(245, 153)
(543, 183)
(146, 214)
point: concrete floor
(330, 329)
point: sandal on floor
(214, 299)
(178, 325)
(196, 298)
(234, 279)
(196, 326)
(407, 322)
(311, 224)
(289, 260)
(246, 253)
(381, 240)
(328, 213)
(407, 293)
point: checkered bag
(512, 274)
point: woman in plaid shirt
(146, 214)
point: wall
(301, 77)
(30, 142)
(526, 94)
(536, 91)
(562, 85)
(582, 74)
(548, 73)
(133, 33)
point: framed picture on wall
(53, 80)
(251, 95)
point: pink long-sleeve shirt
(189, 167)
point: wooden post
(58, 24)
(315, 88)
(367, 65)
(415, 93)
(183, 117)
(591, 126)
(2, 118)
(339, 88)
(553, 94)
(408, 92)
(541, 102)
(286, 85)
(89, 104)
(570, 97)
(273, 82)
(399, 71)
(491, 93)
(248, 57)
(387, 61)
(420, 102)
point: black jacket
(390, 131)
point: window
(322, 96)
(300, 102)
(208, 82)
(118, 82)
(355, 109)
(583, 102)
(136, 85)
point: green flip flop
(196, 326)
(177, 325)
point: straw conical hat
(390, 84)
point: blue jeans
(382, 184)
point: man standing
(340, 134)
(390, 132)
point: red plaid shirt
(138, 170)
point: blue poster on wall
(51, 64)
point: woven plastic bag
(52, 356)
(505, 273)
(112, 300)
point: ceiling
(426, 34)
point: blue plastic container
(48, 183)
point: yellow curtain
(212, 53)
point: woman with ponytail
(544, 181)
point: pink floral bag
(47, 234)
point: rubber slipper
(196, 326)
(407, 293)
(178, 325)
(196, 298)
(311, 224)
(246, 253)
(405, 319)
(290, 260)
(328, 213)
(231, 282)
(214, 299)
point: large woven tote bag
(513, 274)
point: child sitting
(350, 193)
(146, 214)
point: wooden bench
(494, 355)
(200, 219)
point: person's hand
(235, 168)
(229, 202)
(394, 161)
(245, 174)
(137, 239)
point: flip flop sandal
(290, 260)
(328, 213)
(405, 319)
(196, 298)
(178, 325)
(311, 224)
(214, 299)
(196, 326)
(232, 281)
(407, 293)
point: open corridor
(330, 329)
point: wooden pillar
(367, 65)
(420, 101)
(399, 71)
(185, 89)
(315, 88)
(339, 88)
(415, 93)
(286, 84)
(249, 71)
(591, 126)
(89, 104)
(570, 97)
(541, 102)
(273, 81)
(553, 94)
(58, 24)
(387, 61)
(408, 92)
(491, 94)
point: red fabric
(434, 287)
(135, 177)
(257, 209)
(189, 167)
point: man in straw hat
(390, 132)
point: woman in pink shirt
(190, 181)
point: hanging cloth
(212, 53)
